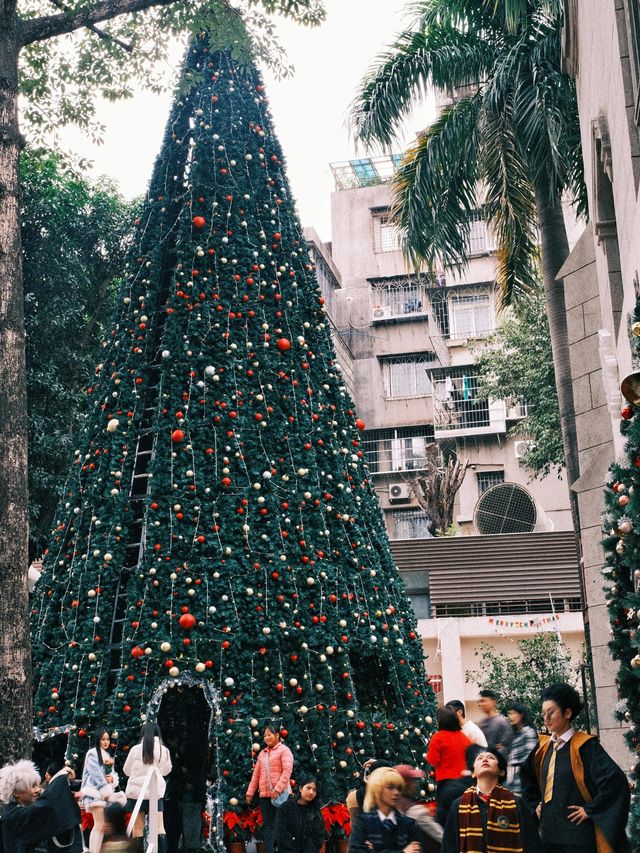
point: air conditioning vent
(399, 492)
(381, 312)
(505, 508)
(521, 448)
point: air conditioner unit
(521, 448)
(381, 312)
(399, 492)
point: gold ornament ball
(635, 662)
(635, 329)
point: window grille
(487, 479)
(471, 315)
(411, 524)
(408, 376)
(480, 240)
(326, 280)
(398, 298)
(403, 449)
(456, 403)
(385, 235)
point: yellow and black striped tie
(548, 785)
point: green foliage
(540, 661)
(508, 141)
(621, 528)
(62, 79)
(218, 529)
(73, 238)
(516, 363)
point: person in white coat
(148, 758)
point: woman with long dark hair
(99, 781)
(525, 740)
(299, 825)
(447, 754)
(147, 759)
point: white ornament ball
(113, 425)
(174, 671)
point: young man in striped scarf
(488, 818)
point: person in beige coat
(149, 758)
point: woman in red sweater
(447, 755)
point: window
(471, 315)
(411, 524)
(416, 584)
(403, 449)
(488, 479)
(397, 298)
(385, 235)
(480, 241)
(408, 376)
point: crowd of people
(500, 788)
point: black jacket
(299, 829)
(54, 814)
(367, 827)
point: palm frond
(510, 206)
(443, 57)
(435, 188)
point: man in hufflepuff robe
(578, 792)
(488, 818)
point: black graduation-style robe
(605, 781)
(54, 815)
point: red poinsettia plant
(337, 823)
(241, 826)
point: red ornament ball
(360, 423)
(187, 621)
(137, 652)
(284, 344)
(627, 413)
(199, 221)
(177, 436)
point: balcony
(463, 312)
(457, 410)
(399, 299)
(389, 451)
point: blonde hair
(17, 777)
(377, 780)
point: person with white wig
(28, 817)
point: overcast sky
(309, 109)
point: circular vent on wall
(505, 508)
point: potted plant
(254, 828)
(337, 826)
(235, 832)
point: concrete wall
(450, 647)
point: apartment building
(405, 343)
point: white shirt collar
(564, 738)
(391, 816)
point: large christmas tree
(218, 532)
(621, 525)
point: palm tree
(508, 143)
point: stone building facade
(602, 50)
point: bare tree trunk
(15, 650)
